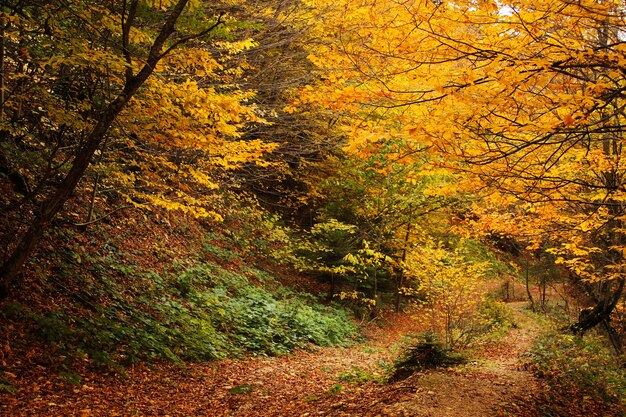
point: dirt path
(482, 388)
(323, 382)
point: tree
(448, 284)
(306, 139)
(70, 73)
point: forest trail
(321, 382)
(482, 388)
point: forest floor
(319, 382)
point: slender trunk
(544, 281)
(400, 279)
(331, 290)
(449, 340)
(610, 291)
(2, 81)
(92, 199)
(613, 336)
(94, 190)
(49, 209)
(528, 292)
(399, 284)
(375, 282)
(374, 312)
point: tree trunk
(602, 310)
(400, 279)
(331, 289)
(49, 209)
(375, 307)
(528, 292)
(2, 81)
(613, 336)
(610, 291)
(399, 284)
(544, 284)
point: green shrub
(490, 320)
(323, 326)
(7, 386)
(261, 323)
(202, 312)
(429, 352)
(494, 319)
(575, 364)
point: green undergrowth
(199, 311)
(580, 367)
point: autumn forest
(307, 207)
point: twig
(101, 217)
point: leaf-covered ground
(320, 382)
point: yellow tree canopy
(524, 98)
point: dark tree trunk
(331, 289)
(601, 311)
(528, 291)
(49, 209)
(613, 336)
(400, 278)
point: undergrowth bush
(451, 283)
(572, 364)
(358, 376)
(260, 322)
(428, 352)
(494, 318)
(203, 312)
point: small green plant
(224, 254)
(495, 313)
(7, 386)
(335, 389)
(494, 320)
(369, 349)
(358, 376)
(71, 378)
(310, 399)
(429, 352)
(245, 389)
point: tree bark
(614, 337)
(610, 291)
(2, 82)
